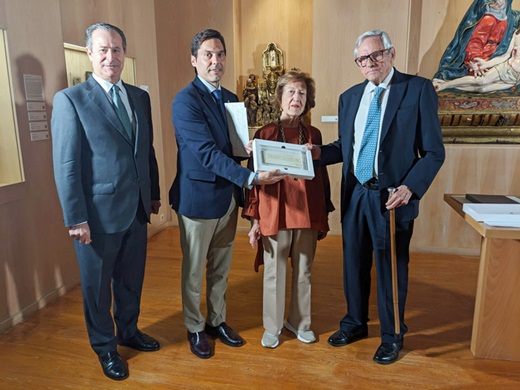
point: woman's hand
(254, 234)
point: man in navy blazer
(107, 180)
(407, 154)
(206, 193)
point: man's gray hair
(106, 27)
(383, 35)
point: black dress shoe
(199, 345)
(341, 337)
(388, 352)
(113, 365)
(141, 342)
(225, 334)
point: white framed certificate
(294, 160)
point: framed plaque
(294, 160)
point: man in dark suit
(107, 180)
(405, 151)
(206, 193)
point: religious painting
(478, 76)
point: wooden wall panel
(289, 24)
(477, 169)
(36, 255)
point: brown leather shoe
(199, 345)
(113, 365)
(141, 342)
(225, 334)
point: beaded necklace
(301, 137)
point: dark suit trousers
(112, 263)
(367, 232)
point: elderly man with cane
(389, 136)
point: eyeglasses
(375, 56)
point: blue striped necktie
(365, 162)
(121, 111)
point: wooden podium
(496, 322)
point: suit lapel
(212, 105)
(397, 90)
(100, 98)
(353, 106)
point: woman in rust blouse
(289, 216)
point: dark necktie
(121, 112)
(367, 152)
(217, 94)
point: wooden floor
(50, 350)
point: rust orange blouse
(290, 203)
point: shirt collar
(107, 85)
(209, 86)
(370, 86)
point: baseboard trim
(23, 315)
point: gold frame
(475, 118)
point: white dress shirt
(361, 118)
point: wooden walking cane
(395, 295)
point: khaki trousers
(300, 244)
(211, 240)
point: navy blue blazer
(101, 176)
(411, 150)
(207, 172)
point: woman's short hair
(291, 77)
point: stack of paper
(238, 128)
(504, 215)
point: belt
(372, 184)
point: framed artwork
(478, 76)
(480, 118)
(292, 159)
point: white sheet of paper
(238, 127)
(504, 215)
